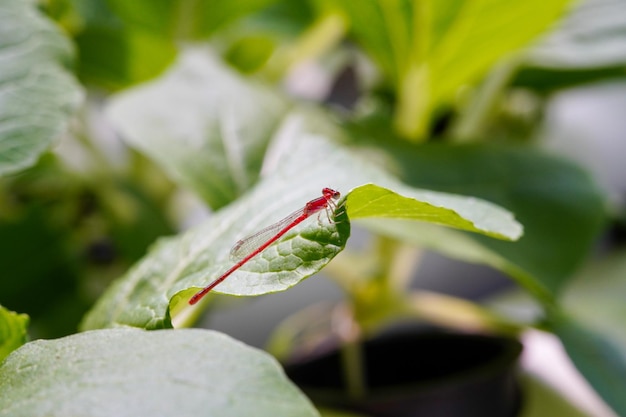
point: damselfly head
(329, 193)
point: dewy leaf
(129, 372)
(37, 92)
(207, 127)
(193, 260)
(596, 356)
(12, 331)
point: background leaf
(141, 298)
(482, 33)
(429, 49)
(588, 45)
(12, 331)
(125, 372)
(214, 139)
(561, 208)
(39, 93)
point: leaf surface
(128, 372)
(37, 92)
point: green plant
(434, 141)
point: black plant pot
(432, 373)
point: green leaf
(598, 358)
(194, 259)
(124, 372)
(481, 33)
(459, 212)
(206, 126)
(38, 92)
(12, 331)
(430, 49)
(562, 210)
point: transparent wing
(247, 245)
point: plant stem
(472, 123)
(351, 353)
(412, 115)
(460, 314)
(354, 372)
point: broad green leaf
(38, 92)
(370, 201)
(598, 358)
(194, 259)
(429, 49)
(206, 126)
(12, 331)
(481, 33)
(562, 210)
(126, 372)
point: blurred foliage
(206, 97)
